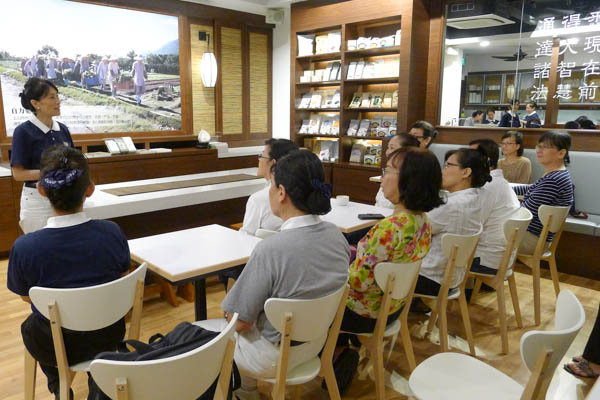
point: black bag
(185, 337)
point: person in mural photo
(113, 75)
(102, 71)
(29, 140)
(51, 67)
(85, 66)
(40, 67)
(138, 71)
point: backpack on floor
(185, 337)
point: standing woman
(138, 71)
(29, 140)
(515, 167)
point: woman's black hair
(419, 179)
(518, 137)
(301, 174)
(428, 130)
(532, 104)
(65, 176)
(407, 140)
(477, 160)
(560, 140)
(279, 147)
(476, 113)
(490, 148)
(35, 89)
(585, 123)
(572, 125)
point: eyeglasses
(261, 156)
(507, 143)
(390, 171)
(449, 164)
(544, 146)
(418, 137)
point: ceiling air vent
(477, 15)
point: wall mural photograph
(116, 72)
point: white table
(103, 205)
(192, 255)
(346, 217)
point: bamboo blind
(203, 99)
(231, 80)
(259, 82)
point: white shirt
(498, 204)
(381, 201)
(64, 221)
(300, 222)
(460, 215)
(34, 120)
(258, 213)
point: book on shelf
(305, 45)
(393, 129)
(315, 123)
(335, 70)
(325, 126)
(318, 75)
(327, 72)
(382, 131)
(353, 127)
(363, 128)
(335, 127)
(351, 70)
(395, 99)
(357, 153)
(374, 126)
(387, 100)
(388, 68)
(387, 41)
(327, 99)
(305, 101)
(377, 100)
(338, 77)
(334, 41)
(365, 102)
(304, 79)
(315, 100)
(363, 42)
(322, 44)
(369, 70)
(326, 150)
(397, 37)
(335, 102)
(305, 125)
(355, 103)
(358, 72)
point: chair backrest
(460, 250)
(514, 232)
(264, 233)
(311, 317)
(93, 307)
(559, 215)
(568, 320)
(184, 376)
(405, 275)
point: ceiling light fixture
(208, 65)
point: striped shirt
(553, 189)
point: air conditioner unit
(477, 14)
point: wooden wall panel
(203, 99)
(259, 82)
(8, 215)
(354, 182)
(231, 80)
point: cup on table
(342, 200)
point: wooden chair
(553, 220)
(398, 281)
(184, 376)
(458, 376)
(306, 320)
(460, 250)
(514, 231)
(84, 309)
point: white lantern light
(208, 70)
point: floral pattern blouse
(399, 238)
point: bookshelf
(383, 78)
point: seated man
(308, 259)
(71, 251)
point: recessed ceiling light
(484, 43)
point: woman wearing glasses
(516, 168)
(258, 211)
(554, 188)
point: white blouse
(259, 214)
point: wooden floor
(158, 316)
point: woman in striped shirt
(554, 188)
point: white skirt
(35, 210)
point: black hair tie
(322, 187)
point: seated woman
(307, 259)
(424, 132)
(515, 167)
(71, 251)
(465, 171)
(554, 188)
(411, 181)
(258, 212)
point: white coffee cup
(342, 200)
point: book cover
(315, 123)
(318, 75)
(357, 152)
(304, 126)
(353, 127)
(335, 127)
(363, 42)
(358, 73)
(395, 99)
(369, 70)
(377, 100)
(363, 128)
(305, 45)
(325, 126)
(387, 100)
(305, 101)
(351, 45)
(334, 41)
(335, 67)
(375, 124)
(327, 72)
(327, 99)
(355, 103)
(335, 102)
(339, 74)
(315, 100)
(322, 44)
(365, 102)
(351, 69)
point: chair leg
(512, 284)
(443, 324)
(377, 356)
(464, 310)
(432, 319)
(408, 349)
(476, 290)
(30, 371)
(554, 274)
(332, 387)
(535, 270)
(502, 318)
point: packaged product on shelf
(338, 76)
(377, 100)
(351, 45)
(393, 129)
(382, 131)
(305, 125)
(375, 124)
(304, 79)
(322, 44)
(395, 99)
(375, 150)
(387, 41)
(335, 127)
(327, 99)
(335, 102)
(387, 122)
(365, 102)
(305, 45)
(335, 70)
(358, 73)
(315, 123)
(334, 41)
(370, 159)
(315, 100)
(325, 126)
(374, 42)
(355, 103)
(327, 150)
(305, 102)
(387, 100)
(327, 72)
(353, 127)
(363, 42)
(363, 128)
(369, 70)
(351, 70)
(357, 153)
(318, 75)
(397, 37)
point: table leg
(200, 300)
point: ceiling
(250, 6)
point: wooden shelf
(371, 109)
(316, 84)
(317, 135)
(319, 109)
(378, 51)
(321, 57)
(373, 81)
(359, 165)
(366, 137)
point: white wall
(281, 77)
(451, 87)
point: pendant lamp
(208, 65)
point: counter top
(5, 172)
(104, 206)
